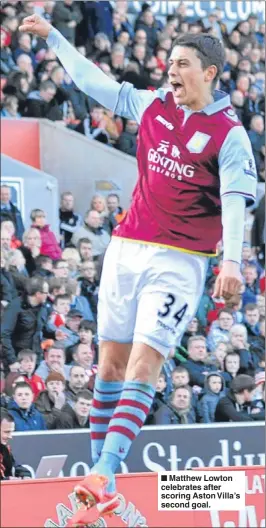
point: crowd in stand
(50, 284)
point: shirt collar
(221, 101)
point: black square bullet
(164, 478)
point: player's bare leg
(143, 368)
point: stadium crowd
(49, 286)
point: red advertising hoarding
(50, 502)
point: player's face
(190, 83)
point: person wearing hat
(236, 405)
(52, 401)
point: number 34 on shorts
(172, 313)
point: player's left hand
(229, 280)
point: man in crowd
(52, 401)
(9, 211)
(196, 363)
(93, 230)
(69, 220)
(54, 362)
(219, 330)
(9, 469)
(84, 247)
(235, 407)
(179, 410)
(23, 410)
(23, 323)
(76, 383)
(78, 417)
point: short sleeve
(237, 167)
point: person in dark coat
(66, 16)
(23, 322)
(8, 288)
(10, 212)
(127, 142)
(9, 468)
(52, 401)
(78, 417)
(258, 233)
(196, 362)
(98, 18)
(23, 410)
(178, 410)
(235, 407)
(214, 390)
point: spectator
(256, 136)
(258, 231)
(231, 366)
(49, 245)
(27, 360)
(257, 347)
(69, 220)
(31, 247)
(239, 340)
(9, 211)
(41, 103)
(10, 107)
(147, 23)
(83, 355)
(77, 382)
(219, 330)
(78, 303)
(114, 208)
(69, 332)
(54, 362)
(206, 303)
(180, 377)
(218, 355)
(52, 400)
(179, 409)
(250, 275)
(89, 285)
(238, 99)
(98, 19)
(61, 308)
(86, 332)
(7, 63)
(71, 256)
(252, 315)
(127, 142)
(92, 229)
(214, 390)
(44, 267)
(9, 469)
(23, 322)
(8, 287)
(193, 328)
(84, 247)
(196, 362)
(78, 417)
(248, 258)
(235, 407)
(65, 17)
(11, 381)
(160, 397)
(23, 410)
(98, 203)
(61, 269)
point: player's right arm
(123, 99)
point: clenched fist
(36, 25)
(229, 281)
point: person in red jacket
(50, 246)
(27, 359)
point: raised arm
(123, 99)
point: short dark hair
(22, 385)
(87, 325)
(35, 285)
(162, 375)
(85, 394)
(210, 51)
(84, 240)
(225, 310)
(113, 195)
(42, 259)
(55, 283)
(62, 297)
(180, 369)
(56, 346)
(250, 307)
(242, 382)
(4, 415)
(47, 85)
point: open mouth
(177, 86)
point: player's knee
(145, 364)
(113, 361)
(111, 371)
